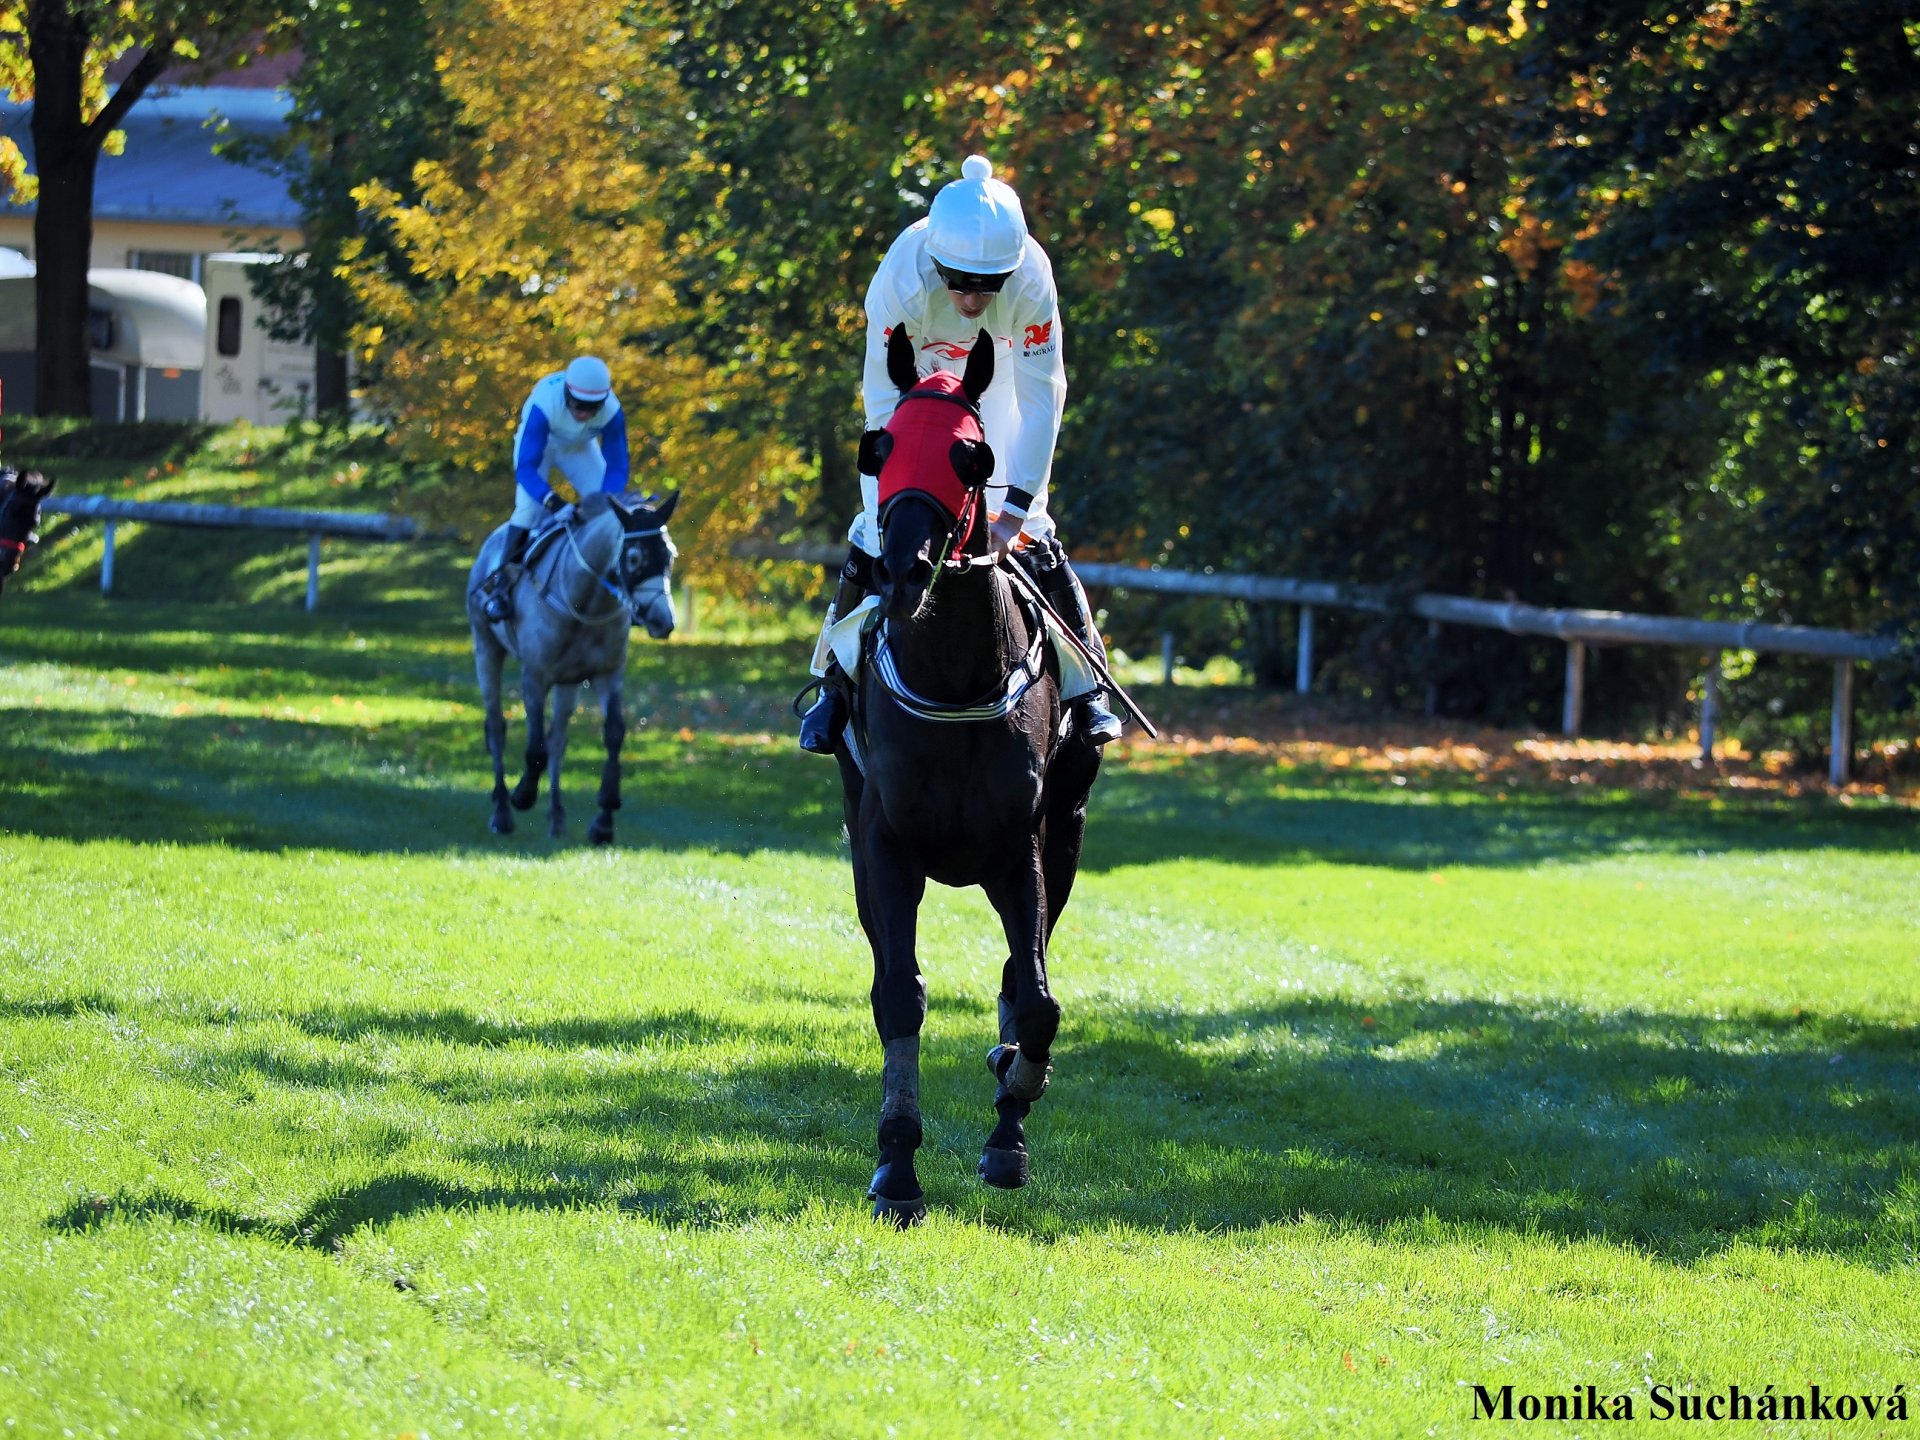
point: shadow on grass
(709, 764)
(1679, 1135)
(276, 782)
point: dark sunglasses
(574, 402)
(968, 283)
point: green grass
(324, 1112)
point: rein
(565, 607)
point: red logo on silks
(1038, 335)
(929, 418)
(948, 349)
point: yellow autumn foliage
(537, 243)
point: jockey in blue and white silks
(573, 423)
(971, 266)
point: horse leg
(565, 698)
(527, 789)
(888, 894)
(1029, 1020)
(489, 658)
(613, 731)
(1069, 783)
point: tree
(69, 45)
(366, 106)
(538, 240)
(1748, 184)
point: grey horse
(603, 565)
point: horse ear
(37, 481)
(978, 375)
(663, 511)
(972, 461)
(900, 359)
(875, 446)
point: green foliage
(36, 442)
(366, 107)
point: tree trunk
(66, 153)
(330, 388)
(65, 157)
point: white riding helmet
(976, 224)
(588, 379)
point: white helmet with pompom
(976, 225)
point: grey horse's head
(646, 562)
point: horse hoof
(598, 834)
(1004, 1169)
(903, 1211)
(904, 1214)
(501, 823)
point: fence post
(1709, 704)
(1576, 699)
(1840, 760)
(313, 572)
(106, 563)
(1433, 661)
(1166, 657)
(1303, 668)
(690, 621)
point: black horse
(20, 499)
(958, 766)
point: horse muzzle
(901, 596)
(655, 611)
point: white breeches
(583, 466)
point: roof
(169, 172)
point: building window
(183, 263)
(227, 328)
(99, 328)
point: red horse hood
(928, 421)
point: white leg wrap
(900, 1078)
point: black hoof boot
(1005, 1169)
(821, 726)
(904, 1211)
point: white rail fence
(1577, 629)
(314, 524)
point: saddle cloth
(1076, 676)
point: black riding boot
(826, 718)
(1062, 589)
(497, 588)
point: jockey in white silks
(573, 423)
(970, 266)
